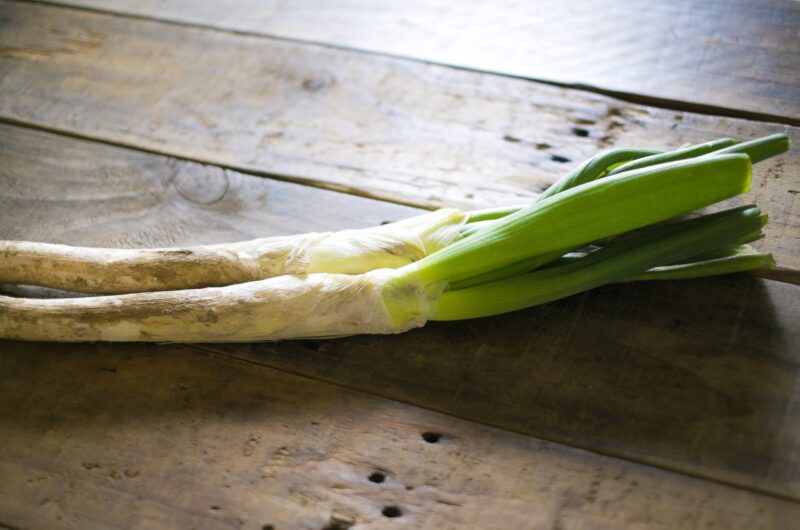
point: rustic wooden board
(698, 376)
(738, 57)
(142, 436)
(409, 132)
(61, 190)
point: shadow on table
(696, 376)
(95, 390)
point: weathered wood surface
(141, 436)
(739, 57)
(400, 130)
(61, 190)
(698, 376)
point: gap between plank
(629, 97)
(246, 171)
(609, 454)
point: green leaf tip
(760, 148)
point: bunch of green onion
(614, 218)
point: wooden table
(165, 122)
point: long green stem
(593, 167)
(587, 171)
(739, 257)
(507, 271)
(742, 259)
(621, 259)
(489, 214)
(760, 148)
(685, 153)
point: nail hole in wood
(431, 437)
(391, 512)
(560, 159)
(268, 527)
(313, 84)
(377, 477)
(214, 508)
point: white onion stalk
(109, 271)
(319, 305)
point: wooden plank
(62, 190)
(142, 436)
(399, 130)
(696, 376)
(737, 57)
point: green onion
(615, 262)
(590, 212)
(596, 226)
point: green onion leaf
(589, 212)
(621, 259)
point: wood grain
(696, 376)
(61, 190)
(101, 436)
(735, 57)
(412, 133)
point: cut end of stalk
(771, 263)
(749, 179)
